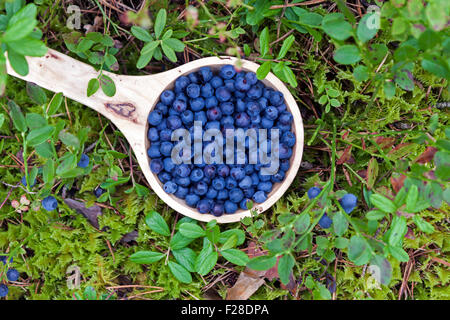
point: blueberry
(193, 90)
(255, 92)
(153, 151)
(197, 104)
(174, 122)
(248, 169)
(196, 175)
(204, 206)
(170, 187)
(201, 116)
(216, 82)
(288, 138)
(165, 135)
(242, 120)
(249, 192)
(271, 113)
(192, 200)
(207, 91)
(348, 202)
(263, 102)
(155, 117)
(187, 117)
(223, 170)
(162, 125)
(167, 97)
(214, 113)
(251, 78)
(255, 179)
(230, 207)
(218, 209)
(212, 125)
(236, 195)
(210, 102)
(282, 107)
(253, 108)
(222, 94)
(285, 165)
(3, 290)
(206, 73)
(263, 177)
(276, 98)
(266, 123)
(313, 192)
(240, 105)
(49, 203)
(229, 84)
(181, 192)
(24, 182)
(201, 188)
(181, 83)
(211, 193)
(238, 173)
(242, 83)
(259, 197)
(218, 183)
(265, 186)
(164, 177)
(222, 194)
(209, 171)
(166, 148)
(4, 258)
(278, 177)
(193, 77)
(285, 152)
(153, 134)
(182, 170)
(179, 105)
(227, 71)
(156, 165)
(12, 275)
(168, 165)
(230, 183)
(245, 183)
(325, 222)
(98, 192)
(285, 118)
(161, 107)
(183, 181)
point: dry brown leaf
(427, 155)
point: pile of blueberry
(348, 203)
(226, 100)
(11, 275)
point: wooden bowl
(135, 98)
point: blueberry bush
(367, 216)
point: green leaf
(287, 43)
(156, 223)
(260, 8)
(340, 223)
(358, 250)
(17, 116)
(2, 119)
(399, 254)
(381, 269)
(262, 263)
(203, 266)
(383, 203)
(89, 293)
(28, 47)
(36, 93)
(423, 225)
(45, 150)
(230, 243)
(175, 44)
(185, 257)
(235, 256)
(160, 22)
(285, 266)
(397, 231)
(302, 223)
(39, 135)
(436, 65)
(191, 230)
(146, 257)
(179, 241)
(107, 85)
(411, 198)
(19, 29)
(263, 70)
(93, 86)
(404, 79)
(18, 63)
(69, 139)
(310, 19)
(213, 234)
(264, 42)
(224, 236)
(141, 34)
(389, 89)
(361, 73)
(437, 15)
(347, 54)
(55, 103)
(180, 272)
(35, 120)
(375, 215)
(169, 52)
(336, 27)
(442, 162)
(366, 30)
(341, 243)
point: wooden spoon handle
(60, 73)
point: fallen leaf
(345, 155)
(90, 213)
(397, 182)
(426, 156)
